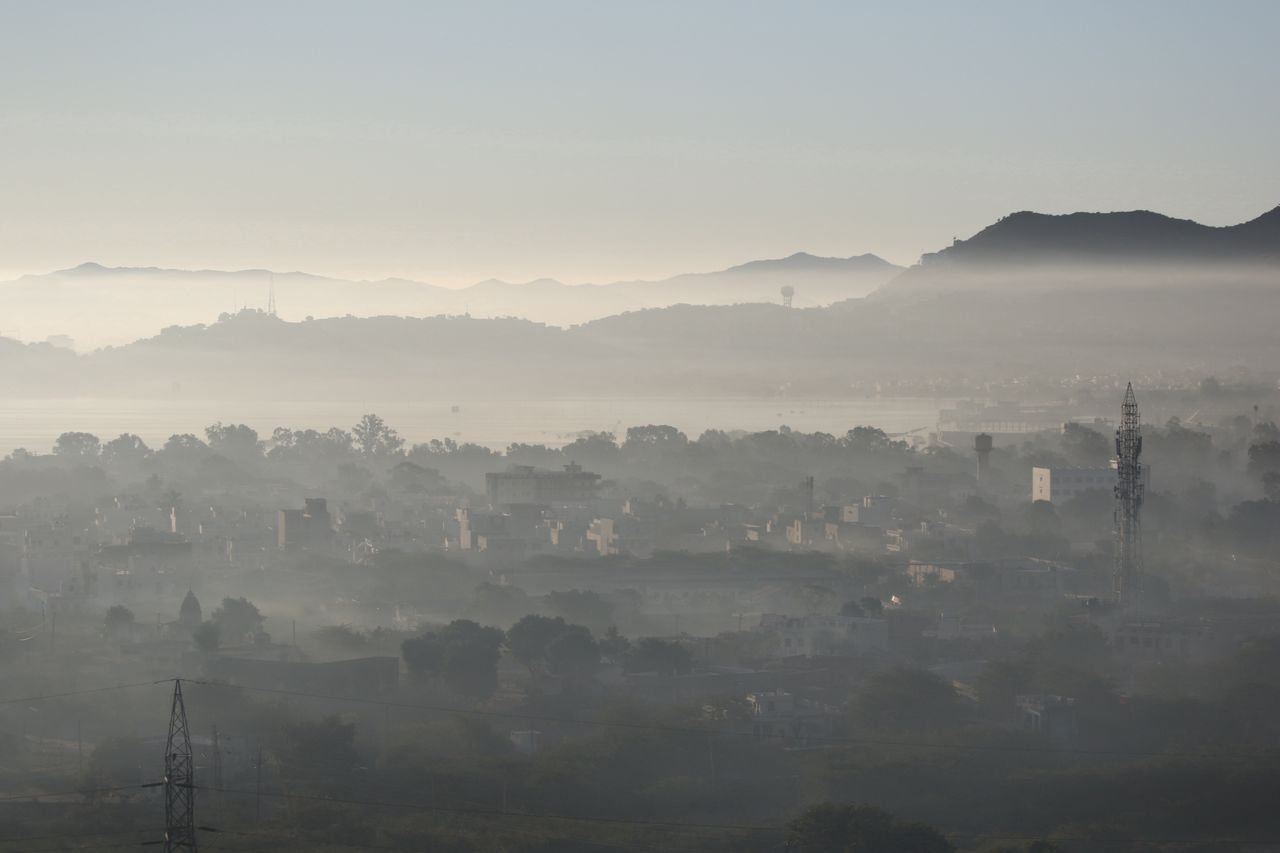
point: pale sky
(594, 141)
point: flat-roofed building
(524, 485)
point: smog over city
(568, 427)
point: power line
(659, 727)
(708, 826)
(608, 845)
(477, 812)
(62, 835)
(78, 792)
(87, 692)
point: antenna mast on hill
(1129, 488)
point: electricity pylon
(179, 779)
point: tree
(574, 654)
(238, 619)
(375, 438)
(207, 637)
(342, 637)
(658, 436)
(529, 638)
(614, 647)
(592, 449)
(500, 604)
(424, 655)
(1084, 446)
(185, 448)
(1271, 485)
(581, 608)
(125, 449)
(906, 698)
(119, 619)
(1042, 519)
(77, 446)
(852, 608)
(652, 654)
(866, 439)
(831, 828)
(235, 441)
(323, 750)
(464, 654)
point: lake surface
(35, 423)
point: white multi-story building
(1059, 485)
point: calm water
(34, 424)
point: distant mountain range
(1029, 296)
(141, 300)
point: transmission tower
(179, 780)
(1128, 569)
(271, 296)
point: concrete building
(526, 485)
(818, 636)
(1059, 485)
(1158, 641)
(1052, 716)
(603, 538)
(53, 554)
(952, 626)
(310, 527)
(777, 713)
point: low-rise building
(310, 527)
(777, 713)
(817, 636)
(1052, 716)
(526, 485)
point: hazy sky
(606, 140)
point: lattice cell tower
(1128, 570)
(179, 780)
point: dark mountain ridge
(1133, 248)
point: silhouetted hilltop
(805, 262)
(1106, 249)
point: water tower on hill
(788, 292)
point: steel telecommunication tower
(1128, 571)
(179, 780)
